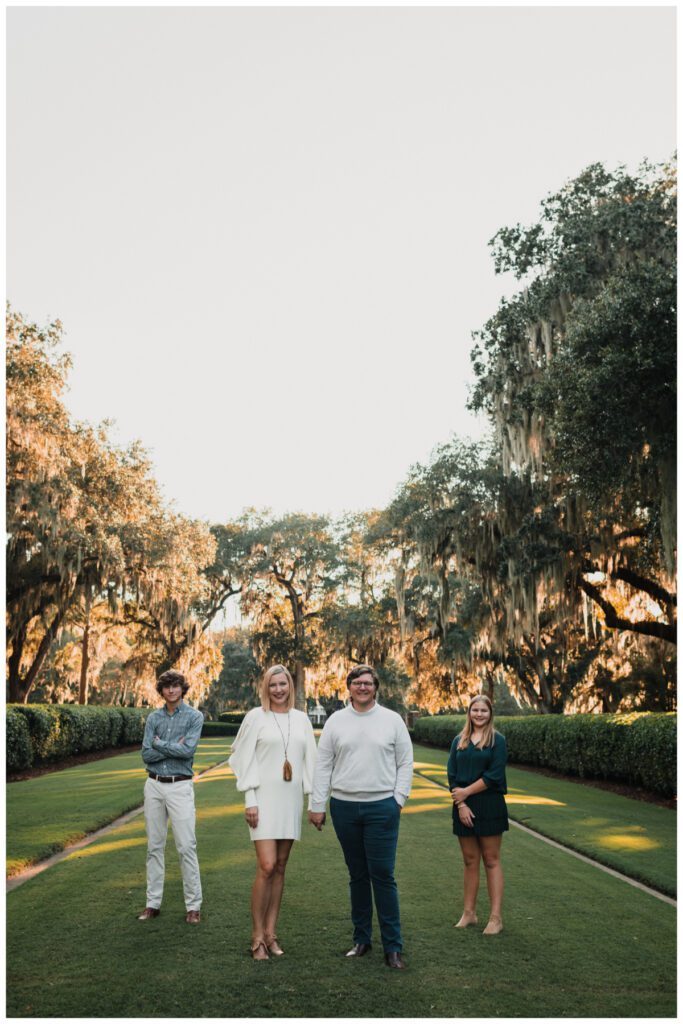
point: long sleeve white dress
(257, 759)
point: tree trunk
(13, 665)
(300, 685)
(85, 655)
(297, 607)
(20, 687)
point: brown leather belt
(170, 778)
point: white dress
(257, 759)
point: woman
(476, 778)
(273, 758)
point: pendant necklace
(286, 768)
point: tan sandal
(273, 946)
(468, 917)
(259, 951)
(495, 925)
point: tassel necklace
(286, 768)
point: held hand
(317, 818)
(466, 816)
(251, 814)
(458, 793)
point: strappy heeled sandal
(273, 946)
(259, 951)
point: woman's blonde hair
(488, 736)
(264, 693)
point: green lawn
(632, 836)
(577, 942)
(47, 813)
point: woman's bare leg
(266, 860)
(283, 849)
(471, 855)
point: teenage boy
(168, 747)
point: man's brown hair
(171, 677)
(362, 670)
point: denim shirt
(167, 755)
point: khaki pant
(174, 800)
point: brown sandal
(259, 951)
(274, 947)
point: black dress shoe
(394, 960)
(360, 949)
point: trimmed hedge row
(636, 748)
(219, 729)
(233, 717)
(40, 733)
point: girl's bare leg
(490, 852)
(471, 855)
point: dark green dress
(488, 808)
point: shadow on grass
(109, 965)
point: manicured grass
(632, 836)
(48, 812)
(577, 942)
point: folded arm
(149, 754)
(183, 749)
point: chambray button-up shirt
(167, 755)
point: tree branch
(661, 630)
(650, 587)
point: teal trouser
(368, 834)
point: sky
(265, 229)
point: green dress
(488, 807)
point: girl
(476, 778)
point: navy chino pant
(368, 834)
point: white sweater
(363, 756)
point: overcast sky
(265, 229)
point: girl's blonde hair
(264, 693)
(488, 736)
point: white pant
(174, 800)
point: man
(365, 758)
(168, 747)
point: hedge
(42, 733)
(219, 729)
(637, 748)
(19, 750)
(234, 717)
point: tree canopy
(538, 564)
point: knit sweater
(363, 756)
